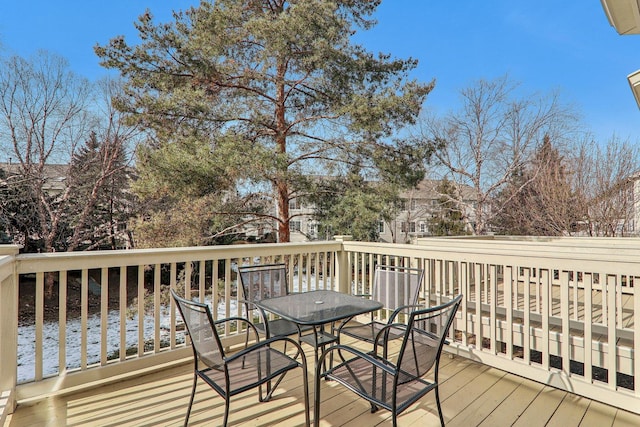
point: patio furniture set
(392, 380)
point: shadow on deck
(472, 394)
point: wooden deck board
(541, 409)
(599, 414)
(510, 409)
(570, 412)
(471, 394)
(487, 401)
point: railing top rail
(545, 243)
(484, 251)
(543, 239)
(31, 263)
(6, 266)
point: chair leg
(305, 383)
(227, 402)
(271, 388)
(316, 396)
(193, 394)
(439, 407)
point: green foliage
(185, 222)
(100, 201)
(447, 220)
(353, 206)
(187, 167)
(246, 98)
(18, 218)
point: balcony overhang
(634, 82)
(623, 15)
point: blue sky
(546, 45)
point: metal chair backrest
(263, 281)
(395, 287)
(204, 337)
(425, 335)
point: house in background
(418, 208)
(55, 175)
(421, 205)
(616, 211)
(302, 226)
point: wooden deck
(472, 395)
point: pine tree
(540, 199)
(246, 98)
(101, 202)
(19, 222)
(447, 219)
(353, 206)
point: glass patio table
(317, 309)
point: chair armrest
(382, 332)
(336, 329)
(262, 313)
(232, 319)
(239, 319)
(267, 343)
(387, 367)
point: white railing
(118, 317)
(8, 330)
(545, 310)
(522, 298)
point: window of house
(423, 227)
(293, 204)
(414, 204)
(403, 227)
(403, 205)
(294, 226)
(381, 227)
(412, 227)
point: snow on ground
(50, 330)
(26, 343)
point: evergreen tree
(246, 98)
(19, 222)
(353, 206)
(101, 202)
(507, 205)
(447, 219)
(540, 200)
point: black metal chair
(260, 282)
(397, 288)
(229, 375)
(394, 384)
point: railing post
(342, 267)
(8, 330)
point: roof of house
(55, 175)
